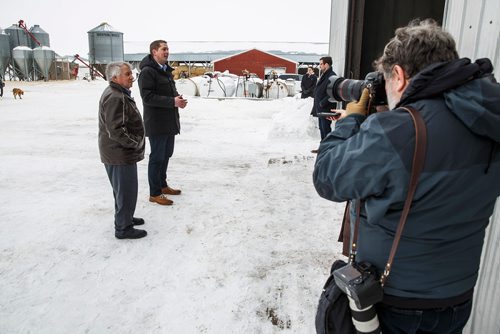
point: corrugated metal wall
(475, 24)
(338, 34)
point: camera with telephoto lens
(342, 89)
(360, 282)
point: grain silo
(17, 36)
(44, 58)
(23, 62)
(105, 46)
(4, 52)
(41, 36)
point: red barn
(255, 61)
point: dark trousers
(162, 148)
(324, 127)
(123, 179)
(449, 320)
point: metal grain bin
(44, 58)
(23, 59)
(17, 36)
(4, 52)
(40, 35)
(105, 44)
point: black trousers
(123, 179)
(162, 148)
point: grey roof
(207, 57)
(104, 27)
(36, 29)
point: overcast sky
(68, 22)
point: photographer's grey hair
(417, 46)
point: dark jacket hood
(469, 89)
(149, 61)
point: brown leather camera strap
(417, 167)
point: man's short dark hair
(416, 46)
(327, 60)
(155, 45)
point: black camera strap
(417, 167)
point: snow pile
(246, 248)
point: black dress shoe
(131, 233)
(137, 221)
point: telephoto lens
(365, 320)
(342, 89)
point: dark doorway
(373, 22)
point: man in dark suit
(161, 103)
(321, 103)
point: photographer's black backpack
(327, 321)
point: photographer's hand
(360, 107)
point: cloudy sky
(191, 20)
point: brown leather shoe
(161, 199)
(170, 191)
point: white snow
(246, 248)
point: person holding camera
(369, 157)
(161, 103)
(321, 98)
(308, 83)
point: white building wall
(338, 34)
(475, 25)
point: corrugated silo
(4, 52)
(105, 46)
(23, 59)
(17, 36)
(41, 36)
(44, 58)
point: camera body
(360, 282)
(342, 89)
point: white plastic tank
(291, 87)
(215, 85)
(23, 58)
(186, 86)
(249, 87)
(275, 89)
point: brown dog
(18, 92)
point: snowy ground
(246, 248)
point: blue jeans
(123, 179)
(162, 148)
(449, 320)
(324, 127)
